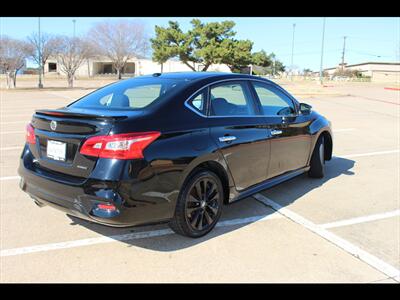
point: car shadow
(235, 215)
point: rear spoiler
(62, 112)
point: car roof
(198, 75)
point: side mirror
(305, 109)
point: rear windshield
(130, 94)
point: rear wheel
(199, 205)
(317, 164)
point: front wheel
(199, 205)
(317, 164)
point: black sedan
(170, 147)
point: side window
(198, 102)
(231, 99)
(273, 101)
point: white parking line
(24, 114)
(364, 219)
(12, 132)
(124, 237)
(343, 130)
(368, 258)
(11, 148)
(9, 178)
(14, 122)
(368, 154)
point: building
(377, 71)
(101, 66)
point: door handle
(276, 132)
(227, 138)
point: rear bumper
(81, 198)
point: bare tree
(13, 54)
(120, 41)
(48, 46)
(91, 53)
(70, 56)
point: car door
(238, 128)
(289, 131)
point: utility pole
(291, 67)
(344, 47)
(40, 85)
(321, 75)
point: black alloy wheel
(202, 203)
(199, 206)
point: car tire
(199, 205)
(317, 164)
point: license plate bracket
(56, 150)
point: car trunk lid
(60, 133)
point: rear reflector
(119, 146)
(30, 134)
(106, 207)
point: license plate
(56, 150)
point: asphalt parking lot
(342, 228)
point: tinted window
(130, 94)
(273, 101)
(231, 99)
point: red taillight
(119, 146)
(30, 134)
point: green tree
(161, 51)
(211, 41)
(279, 66)
(205, 44)
(239, 54)
(171, 42)
(264, 63)
(261, 59)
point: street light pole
(344, 47)
(40, 85)
(73, 21)
(291, 65)
(322, 54)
